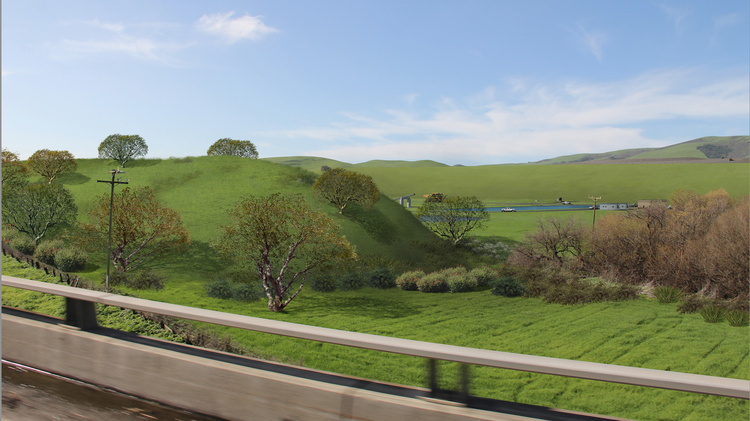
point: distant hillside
(313, 163)
(704, 148)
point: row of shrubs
(382, 277)
(456, 279)
(51, 252)
(736, 311)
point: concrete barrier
(220, 384)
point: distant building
(652, 202)
(613, 206)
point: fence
(81, 313)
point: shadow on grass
(140, 163)
(90, 268)
(367, 306)
(373, 222)
(199, 258)
(73, 178)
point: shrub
(71, 259)
(692, 304)
(247, 291)
(9, 233)
(462, 283)
(667, 294)
(24, 244)
(624, 292)
(221, 289)
(737, 317)
(46, 250)
(712, 313)
(382, 278)
(351, 281)
(508, 286)
(434, 282)
(407, 281)
(484, 275)
(323, 283)
(146, 279)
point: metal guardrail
(81, 311)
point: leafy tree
(453, 217)
(340, 187)
(35, 208)
(142, 228)
(13, 169)
(123, 148)
(280, 238)
(227, 146)
(49, 164)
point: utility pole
(111, 202)
(594, 221)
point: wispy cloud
(677, 15)
(541, 120)
(233, 30)
(144, 41)
(593, 41)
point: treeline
(699, 245)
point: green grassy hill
(203, 189)
(711, 147)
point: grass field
(545, 183)
(639, 333)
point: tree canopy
(34, 208)
(227, 146)
(142, 227)
(340, 187)
(122, 148)
(13, 169)
(49, 164)
(453, 217)
(281, 239)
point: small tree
(122, 148)
(227, 146)
(13, 169)
(453, 217)
(340, 187)
(282, 240)
(142, 227)
(37, 207)
(49, 164)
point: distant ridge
(704, 149)
(313, 163)
(709, 149)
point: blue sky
(460, 82)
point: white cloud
(233, 30)
(534, 122)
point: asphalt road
(30, 395)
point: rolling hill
(704, 148)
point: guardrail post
(81, 314)
(432, 377)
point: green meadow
(625, 183)
(639, 333)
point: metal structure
(111, 202)
(81, 313)
(407, 198)
(593, 223)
